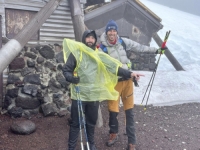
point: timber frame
(1, 74)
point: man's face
(112, 35)
(90, 41)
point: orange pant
(125, 89)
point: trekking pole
(81, 116)
(154, 72)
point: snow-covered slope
(171, 86)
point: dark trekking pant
(130, 129)
(113, 122)
(90, 109)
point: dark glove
(161, 50)
(75, 80)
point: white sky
(172, 87)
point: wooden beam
(11, 49)
(92, 2)
(168, 54)
(1, 74)
(77, 18)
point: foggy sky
(190, 6)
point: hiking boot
(92, 147)
(113, 138)
(130, 147)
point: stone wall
(36, 84)
(142, 61)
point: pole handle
(166, 38)
(76, 85)
(163, 44)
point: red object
(113, 43)
(97, 46)
(166, 38)
(163, 44)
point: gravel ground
(158, 128)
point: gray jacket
(117, 51)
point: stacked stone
(142, 61)
(35, 82)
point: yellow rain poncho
(97, 72)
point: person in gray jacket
(116, 47)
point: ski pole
(81, 116)
(154, 72)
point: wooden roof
(147, 9)
(133, 11)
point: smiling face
(90, 41)
(112, 35)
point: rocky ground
(158, 128)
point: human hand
(75, 80)
(136, 76)
(161, 50)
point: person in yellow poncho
(97, 77)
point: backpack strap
(122, 43)
(124, 46)
(103, 47)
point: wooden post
(168, 54)
(77, 18)
(14, 46)
(1, 74)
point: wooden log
(11, 49)
(168, 54)
(79, 28)
(77, 18)
(1, 74)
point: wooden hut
(135, 21)
(14, 16)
